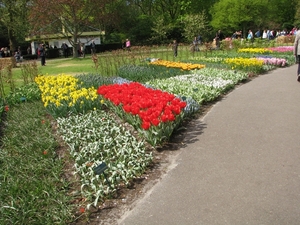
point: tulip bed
(94, 112)
(153, 113)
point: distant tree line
(144, 22)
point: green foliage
(26, 93)
(297, 15)
(145, 73)
(141, 31)
(194, 25)
(160, 30)
(29, 71)
(92, 80)
(32, 188)
(14, 18)
(230, 15)
(96, 137)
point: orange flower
(43, 121)
(82, 210)
(45, 152)
(6, 108)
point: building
(56, 40)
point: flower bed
(203, 85)
(62, 95)
(273, 61)
(155, 109)
(255, 50)
(282, 49)
(154, 113)
(94, 138)
(246, 64)
(144, 73)
(183, 66)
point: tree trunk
(12, 42)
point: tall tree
(195, 25)
(281, 12)
(69, 17)
(230, 15)
(297, 15)
(13, 18)
(237, 14)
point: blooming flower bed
(255, 50)
(154, 113)
(273, 61)
(245, 64)
(183, 66)
(62, 95)
(154, 109)
(208, 59)
(282, 49)
(203, 85)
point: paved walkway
(241, 163)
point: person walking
(42, 54)
(93, 47)
(296, 52)
(65, 49)
(175, 48)
(82, 47)
(194, 46)
(219, 37)
(128, 45)
(250, 35)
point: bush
(30, 57)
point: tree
(230, 15)
(69, 17)
(160, 30)
(297, 15)
(282, 11)
(13, 18)
(195, 25)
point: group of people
(265, 34)
(5, 52)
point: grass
(33, 190)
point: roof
(61, 36)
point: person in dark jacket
(42, 54)
(65, 49)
